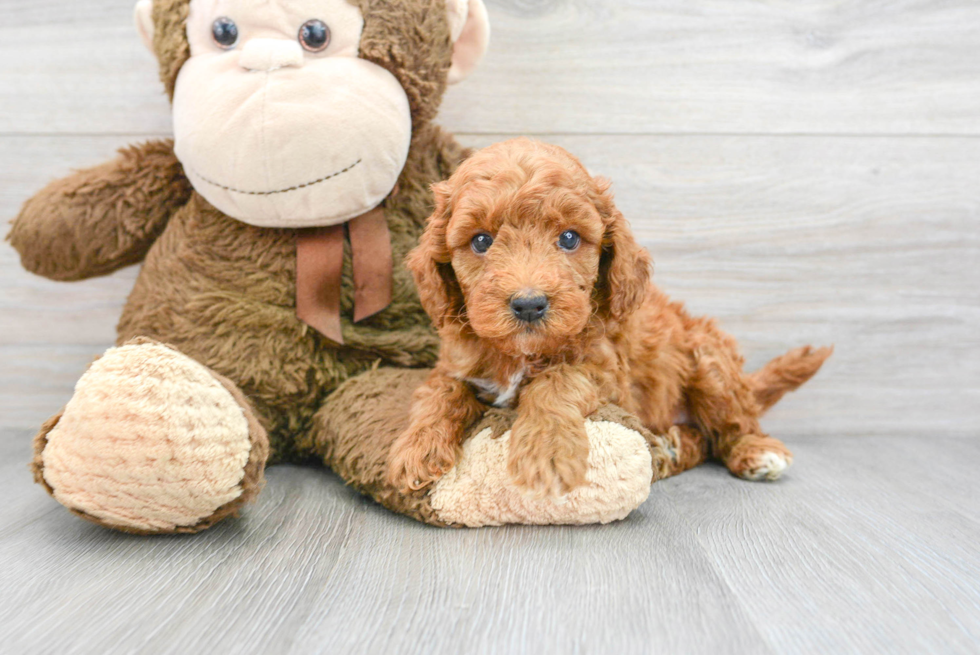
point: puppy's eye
(314, 35)
(481, 243)
(225, 33)
(569, 240)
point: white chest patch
(493, 392)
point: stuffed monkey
(272, 319)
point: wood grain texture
(75, 66)
(573, 66)
(726, 66)
(872, 555)
(840, 557)
(863, 242)
(806, 171)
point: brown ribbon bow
(320, 260)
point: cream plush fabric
(150, 441)
(470, 31)
(236, 112)
(476, 492)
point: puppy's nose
(529, 308)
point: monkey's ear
(144, 22)
(470, 30)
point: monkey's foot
(358, 424)
(152, 442)
(478, 491)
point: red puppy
(543, 300)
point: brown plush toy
(273, 320)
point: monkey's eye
(314, 35)
(225, 33)
(569, 240)
(481, 243)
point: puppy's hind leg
(680, 449)
(724, 405)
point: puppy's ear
(624, 270)
(430, 265)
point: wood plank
(77, 67)
(933, 477)
(93, 590)
(841, 556)
(23, 501)
(577, 66)
(726, 66)
(315, 566)
(846, 554)
(527, 590)
(862, 242)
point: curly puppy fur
(608, 335)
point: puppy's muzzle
(529, 308)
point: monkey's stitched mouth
(272, 193)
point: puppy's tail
(786, 373)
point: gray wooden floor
(806, 170)
(869, 545)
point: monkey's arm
(358, 424)
(102, 218)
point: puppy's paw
(768, 466)
(548, 464)
(759, 459)
(418, 458)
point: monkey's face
(278, 122)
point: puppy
(543, 301)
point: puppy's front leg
(549, 448)
(442, 409)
